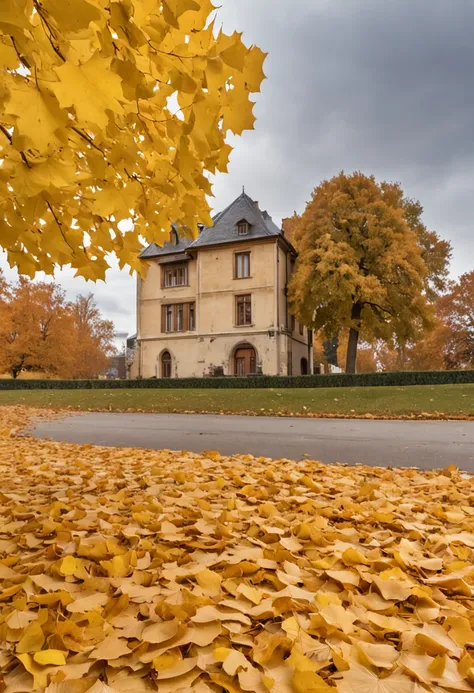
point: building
(217, 305)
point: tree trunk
(353, 339)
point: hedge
(264, 381)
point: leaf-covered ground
(133, 570)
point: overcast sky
(381, 86)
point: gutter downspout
(139, 324)
(277, 306)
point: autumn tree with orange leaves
(41, 331)
(366, 263)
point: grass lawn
(453, 400)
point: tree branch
(50, 32)
(59, 225)
(87, 139)
(10, 139)
(376, 305)
(22, 59)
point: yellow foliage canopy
(360, 264)
(111, 111)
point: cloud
(385, 87)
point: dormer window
(243, 228)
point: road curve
(424, 444)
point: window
(175, 276)
(293, 323)
(301, 328)
(169, 318)
(244, 310)
(242, 228)
(242, 265)
(178, 317)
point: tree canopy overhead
(364, 263)
(109, 111)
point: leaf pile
(132, 570)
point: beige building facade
(218, 305)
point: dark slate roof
(224, 229)
(168, 248)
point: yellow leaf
(251, 593)
(38, 117)
(237, 112)
(32, 640)
(119, 202)
(69, 565)
(300, 662)
(110, 648)
(221, 653)
(235, 53)
(209, 580)
(56, 657)
(253, 68)
(156, 633)
(338, 617)
(91, 88)
(8, 57)
(306, 681)
(460, 630)
(165, 661)
(72, 15)
(361, 680)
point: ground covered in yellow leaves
(125, 571)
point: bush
(401, 379)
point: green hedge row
(264, 381)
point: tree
(93, 338)
(360, 265)
(426, 354)
(41, 331)
(289, 226)
(367, 361)
(111, 111)
(35, 328)
(435, 251)
(456, 309)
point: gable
(226, 224)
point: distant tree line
(43, 332)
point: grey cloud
(382, 86)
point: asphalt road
(425, 444)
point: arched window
(166, 364)
(245, 360)
(304, 366)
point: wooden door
(245, 361)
